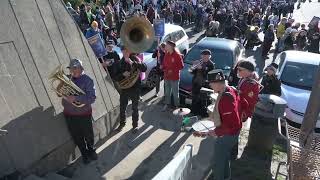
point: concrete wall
(35, 37)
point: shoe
(156, 95)
(93, 155)
(165, 107)
(85, 160)
(134, 130)
(120, 127)
(140, 99)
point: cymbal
(181, 112)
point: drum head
(203, 126)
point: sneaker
(85, 160)
(120, 127)
(165, 107)
(93, 155)
(134, 130)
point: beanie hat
(247, 65)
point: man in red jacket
(172, 65)
(248, 87)
(227, 132)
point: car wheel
(152, 79)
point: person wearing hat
(248, 87)
(172, 65)
(122, 71)
(200, 69)
(79, 119)
(270, 81)
(227, 133)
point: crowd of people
(237, 95)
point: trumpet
(195, 65)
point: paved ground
(141, 156)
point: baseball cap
(75, 63)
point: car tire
(152, 79)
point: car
(297, 74)
(225, 54)
(173, 33)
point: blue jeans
(222, 156)
(171, 87)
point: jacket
(172, 65)
(85, 83)
(229, 113)
(122, 66)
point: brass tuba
(137, 35)
(63, 86)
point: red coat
(248, 90)
(172, 64)
(229, 113)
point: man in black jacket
(124, 68)
(200, 73)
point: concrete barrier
(178, 168)
(35, 37)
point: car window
(177, 35)
(298, 75)
(223, 59)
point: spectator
(172, 65)
(268, 40)
(271, 84)
(314, 43)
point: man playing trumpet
(200, 71)
(79, 118)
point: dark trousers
(124, 99)
(266, 46)
(80, 128)
(196, 104)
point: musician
(248, 87)
(228, 132)
(109, 60)
(79, 119)
(124, 66)
(200, 71)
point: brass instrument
(63, 86)
(137, 35)
(128, 82)
(195, 65)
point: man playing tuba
(79, 118)
(131, 88)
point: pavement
(141, 156)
